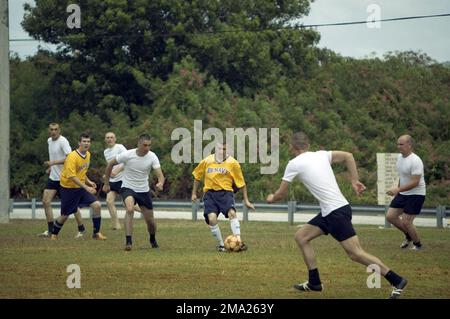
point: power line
(373, 21)
(287, 28)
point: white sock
(215, 230)
(235, 227)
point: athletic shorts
(142, 199)
(51, 184)
(115, 186)
(73, 198)
(411, 204)
(338, 223)
(218, 202)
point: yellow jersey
(75, 165)
(219, 176)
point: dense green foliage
(153, 66)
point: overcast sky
(429, 35)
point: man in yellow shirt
(220, 173)
(77, 190)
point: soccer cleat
(45, 234)
(220, 248)
(416, 248)
(397, 290)
(405, 244)
(80, 235)
(306, 286)
(99, 236)
(128, 247)
(154, 244)
(243, 247)
(53, 237)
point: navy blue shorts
(338, 223)
(218, 202)
(142, 199)
(115, 186)
(51, 184)
(411, 204)
(72, 198)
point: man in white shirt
(409, 194)
(115, 182)
(138, 163)
(58, 149)
(315, 171)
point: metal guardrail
(291, 207)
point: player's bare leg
(47, 198)
(151, 225)
(96, 220)
(393, 216)
(110, 203)
(303, 237)
(78, 217)
(354, 250)
(128, 221)
(408, 223)
(81, 228)
(215, 231)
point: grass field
(187, 265)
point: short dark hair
(84, 135)
(144, 137)
(300, 141)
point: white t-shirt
(411, 165)
(110, 153)
(57, 150)
(137, 168)
(314, 170)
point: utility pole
(4, 112)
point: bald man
(409, 194)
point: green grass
(187, 265)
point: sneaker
(397, 290)
(53, 237)
(117, 227)
(154, 244)
(220, 248)
(243, 247)
(80, 235)
(99, 236)
(44, 234)
(405, 244)
(128, 247)
(416, 248)
(306, 286)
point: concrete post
(4, 112)
(292, 207)
(195, 206)
(244, 212)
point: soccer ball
(232, 243)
